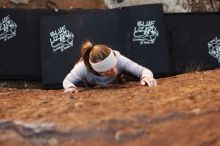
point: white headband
(106, 64)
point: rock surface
(182, 110)
(62, 4)
(20, 1)
(169, 6)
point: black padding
(20, 53)
(189, 35)
(145, 37)
(103, 27)
(59, 56)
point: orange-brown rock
(182, 110)
(62, 4)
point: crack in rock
(118, 129)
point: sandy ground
(182, 110)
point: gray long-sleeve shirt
(80, 73)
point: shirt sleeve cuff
(146, 73)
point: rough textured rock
(168, 5)
(171, 5)
(176, 6)
(20, 1)
(62, 4)
(205, 5)
(182, 110)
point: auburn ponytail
(85, 51)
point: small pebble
(79, 105)
(52, 141)
(196, 111)
(124, 135)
